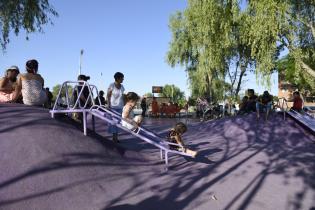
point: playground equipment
(80, 99)
(303, 118)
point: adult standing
(144, 106)
(115, 100)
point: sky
(117, 35)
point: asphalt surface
(243, 163)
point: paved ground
(243, 164)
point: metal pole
(93, 123)
(166, 161)
(80, 64)
(84, 123)
(224, 97)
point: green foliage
(56, 89)
(173, 92)
(277, 25)
(286, 66)
(55, 92)
(149, 94)
(206, 39)
(192, 101)
(217, 41)
(29, 15)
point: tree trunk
(308, 69)
(233, 78)
(209, 86)
(243, 70)
(208, 92)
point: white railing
(115, 119)
(283, 105)
(74, 104)
(69, 100)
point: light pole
(80, 63)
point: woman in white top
(30, 86)
(115, 98)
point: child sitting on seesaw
(175, 136)
(129, 120)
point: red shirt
(297, 104)
(155, 107)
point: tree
(286, 67)
(149, 94)
(218, 40)
(173, 92)
(207, 39)
(285, 24)
(29, 15)
(56, 89)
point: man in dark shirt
(84, 96)
(101, 97)
(49, 98)
(143, 106)
(251, 102)
(264, 102)
(243, 105)
(85, 93)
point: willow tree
(285, 24)
(29, 15)
(287, 68)
(215, 40)
(207, 40)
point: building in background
(286, 89)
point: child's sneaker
(192, 153)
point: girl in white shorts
(129, 120)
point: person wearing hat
(31, 86)
(264, 102)
(8, 84)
